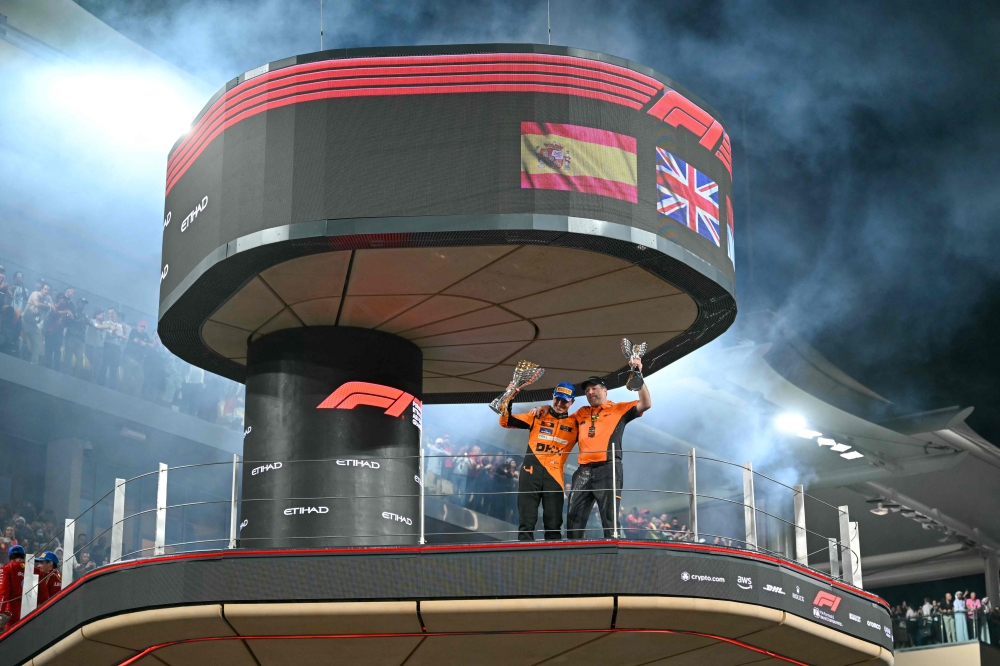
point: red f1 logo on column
(352, 394)
(831, 601)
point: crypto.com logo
(352, 394)
(831, 601)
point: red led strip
(732, 641)
(280, 79)
(384, 92)
(478, 73)
(290, 86)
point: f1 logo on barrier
(831, 601)
(353, 394)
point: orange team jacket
(608, 422)
(550, 438)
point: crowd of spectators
(24, 526)
(482, 482)
(64, 332)
(644, 524)
(959, 617)
(36, 532)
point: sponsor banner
(352, 462)
(735, 579)
(354, 394)
(574, 158)
(325, 461)
(701, 578)
(305, 510)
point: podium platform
(602, 602)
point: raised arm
(508, 420)
(645, 399)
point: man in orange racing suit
(602, 426)
(552, 435)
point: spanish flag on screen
(578, 159)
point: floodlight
(808, 434)
(840, 448)
(791, 423)
(852, 455)
(825, 441)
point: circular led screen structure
(408, 223)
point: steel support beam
(117, 522)
(855, 551)
(749, 507)
(834, 558)
(801, 543)
(69, 543)
(693, 497)
(993, 578)
(161, 511)
(29, 587)
(233, 509)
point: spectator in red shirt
(11, 586)
(49, 578)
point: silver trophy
(525, 372)
(633, 352)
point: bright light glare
(840, 448)
(825, 441)
(880, 511)
(808, 434)
(133, 109)
(852, 455)
(790, 423)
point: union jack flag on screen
(687, 195)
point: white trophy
(632, 353)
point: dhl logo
(831, 601)
(353, 394)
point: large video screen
(430, 136)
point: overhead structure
(408, 223)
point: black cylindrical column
(331, 456)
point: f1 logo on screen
(352, 394)
(831, 601)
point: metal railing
(724, 504)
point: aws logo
(831, 601)
(353, 394)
